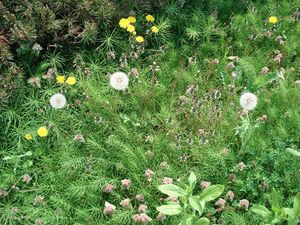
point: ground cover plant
(149, 112)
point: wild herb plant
(190, 207)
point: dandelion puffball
(248, 101)
(58, 101)
(119, 81)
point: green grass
(70, 175)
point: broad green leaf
(296, 205)
(8, 157)
(170, 210)
(172, 190)
(195, 203)
(212, 192)
(276, 200)
(293, 152)
(188, 221)
(203, 221)
(29, 153)
(261, 210)
(192, 180)
(27, 163)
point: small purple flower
(109, 209)
(149, 174)
(15, 209)
(264, 186)
(230, 65)
(244, 204)
(149, 154)
(125, 203)
(163, 165)
(265, 70)
(234, 58)
(221, 203)
(108, 188)
(142, 208)
(241, 166)
(140, 198)
(172, 199)
(3, 193)
(167, 180)
(142, 218)
(79, 138)
(277, 60)
(204, 184)
(161, 217)
(230, 195)
(39, 222)
(35, 81)
(38, 200)
(26, 178)
(231, 177)
(216, 61)
(134, 72)
(126, 184)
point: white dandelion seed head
(119, 81)
(58, 101)
(248, 101)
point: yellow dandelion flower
(131, 19)
(150, 18)
(28, 137)
(60, 79)
(154, 29)
(130, 28)
(42, 132)
(273, 19)
(139, 39)
(124, 23)
(134, 33)
(71, 80)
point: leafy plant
(192, 206)
(278, 213)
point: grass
(128, 132)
